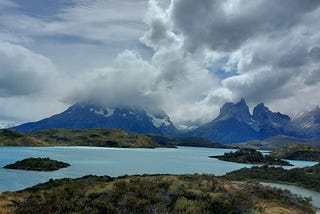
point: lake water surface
(299, 191)
(114, 162)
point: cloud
(270, 56)
(23, 72)
(270, 45)
(7, 4)
(171, 80)
(226, 25)
(87, 21)
(193, 56)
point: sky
(185, 57)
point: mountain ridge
(91, 115)
(234, 123)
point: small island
(37, 164)
(251, 156)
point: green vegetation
(308, 177)
(84, 137)
(251, 156)
(298, 152)
(94, 137)
(99, 138)
(13, 138)
(151, 194)
(186, 141)
(277, 142)
(37, 164)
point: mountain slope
(90, 115)
(271, 123)
(13, 138)
(94, 137)
(234, 124)
(309, 122)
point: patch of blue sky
(219, 69)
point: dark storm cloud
(226, 25)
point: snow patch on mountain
(106, 112)
(159, 122)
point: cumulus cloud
(270, 45)
(267, 46)
(224, 25)
(171, 80)
(200, 54)
(23, 72)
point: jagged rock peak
(239, 110)
(261, 112)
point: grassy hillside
(13, 138)
(276, 142)
(186, 141)
(308, 177)
(298, 152)
(152, 194)
(94, 137)
(98, 137)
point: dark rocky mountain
(236, 124)
(91, 115)
(273, 123)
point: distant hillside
(276, 142)
(94, 137)
(308, 177)
(99, 138)
(186, 141)
(13, 138)
(298, 152)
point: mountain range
(91, 115)
(234, 123)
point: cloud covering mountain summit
(185, 57)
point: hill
(94, 137)
(298, 152)
(251, 156)
(152, 194)
(13, 138)
(98, 137)
(277, 142)
(186, 141)
(308, 177)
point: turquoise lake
(114, 162)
